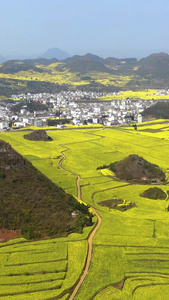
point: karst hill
(38, 135)
(136, 169)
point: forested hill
(30, 202)
(136, 169)
(159, 111)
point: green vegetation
(88, 72)
(30, 106)
(154, 193)
(146, 94)
(40, 270)
(118, 204)
(54, 122)
(130, 258)
(33, 204)
(38, 135)
(158, 110)
(136, 169)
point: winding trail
(92, 233)
(90, 245)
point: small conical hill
(136, 169)
(38, 135)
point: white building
(139, 118)
(4, 125)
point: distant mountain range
(154, 66)
(88, 71)
(49, 54)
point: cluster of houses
(59, 97)
(163, 92)
(77, 107)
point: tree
(135, 126)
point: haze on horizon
(106, 28)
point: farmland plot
(37, 270)
(131, 248)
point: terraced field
(40, 270)
(130, 257)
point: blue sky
(119, 28)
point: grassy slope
(132, 244)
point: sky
(116, 28)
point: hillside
(88, 71)
(15, 66)
(85, 65)
(30, 202)
(136, 169)
(38, 135)
(40, 61)
(159, 111)
(154, 66)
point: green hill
(85, 65)
(136, 169)
(14, 66)
(32, 203)
(154, 193)
(38, 135)
(40, 61)
(155, 67)
(159, 111)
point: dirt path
(89, 255)
(92, 233)
(78, 188)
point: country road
(92, 233)
(89, 254)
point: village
(71, 107)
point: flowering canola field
(130, 257)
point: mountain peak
(55, 53)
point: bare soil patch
(6, 235)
